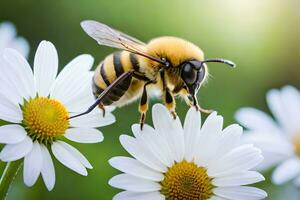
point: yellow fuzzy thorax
(176, 50)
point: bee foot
(207, 111)
(173, 113)
(101, 106)
(141, 126)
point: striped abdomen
(109, 70)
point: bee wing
(108, 36)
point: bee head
(193, 73)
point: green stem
(8, 176)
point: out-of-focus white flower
(174, 162)
(9, 39)
(38, 106)
(279, 142)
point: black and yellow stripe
(109, 70)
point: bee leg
(170, 102)
(207, 111)
(185, 95)
(143, 107)
(198, 107)
(101, 106)
(99, 99)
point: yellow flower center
(296, 141)
(45, 119)
(186, 180)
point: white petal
(76, 154)
(230, 138)
(270, 160)
(242, 178)
(9, 111)
(93, 120)
(239, 159)
(286, 171)
(7, 34)
(275, 148)
(11, 134)
(255, 119)
(192, 125)
(67, 158)
(240, 193)
(291, 99)
(213, 124)
(84, 135)
(297, 181)
(7, 88)
(217, 198)
(209, 140)
(47, 171)
(33, 162)
(270, 142)
(80, 94)
(156, 144)
(133, 147)
(19, 72)
(134, 184)
(170, 129)
(278, 108)
(12, 152)
(8, 39)
(21, 45)
(70, 79)
(135, 168)
(127, 195)
(45, 67)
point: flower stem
(8, 176)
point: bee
(168, 65)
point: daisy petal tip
(158, 107)
(112, 181)
(90, 167)
(46, 43)
(123, 137)
(213, 114)
(50, 187)
(111, 161)
(136, 128)
(261, 178)
(264, 194)
(290, 88)
(87, 58)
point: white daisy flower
(174, 162)
(9, 39)
(279, 142)
(38, 106)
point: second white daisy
(171, 162)
(279, 140)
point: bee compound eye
(188, 74)
(201, 74)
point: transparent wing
(108, 36)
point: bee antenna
(220, 60)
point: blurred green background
(262, 37)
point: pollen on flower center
(44, 118)
(296, 141)
(186, 180)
